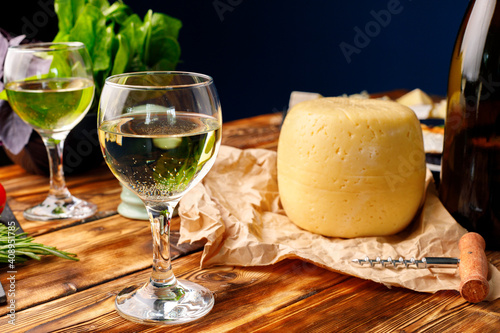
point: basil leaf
(117, 39)
(103, 5)
(162, 51)
(122, 56)
(118, 12)
(67, 12)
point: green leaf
(122, 56)
(28, 254)
(134, 30)
(59, 67)
(103, 5)
(165, 56)
(162, 49)
(118, 12)
(67, 12)
(102, 50)
(168, 25)
(89, 28)
(117, 39)
(25, 248)
(148, 28)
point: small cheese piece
(301, 96)
(419, 102)
(350, 168)
(415, 97)
(439, 110)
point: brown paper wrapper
(237, 211)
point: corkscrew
(472, 264)
(426, 262)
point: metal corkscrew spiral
(473, 266)
(426, 262)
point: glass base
(53, 208)
(181, 303)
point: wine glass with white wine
(51, 87)
(159, 133)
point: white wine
(160, 133)
(160, 156)
(55, 104)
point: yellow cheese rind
(350, 168)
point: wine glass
(160, 133)
(51, 87)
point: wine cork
(474, 286)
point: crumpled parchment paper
(237, 211)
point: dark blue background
(260, 51)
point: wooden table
(291, 296)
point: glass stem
(58, 187)
(162, 274)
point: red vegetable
(3, 198)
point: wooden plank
(257, 132)
(88, 310)
(227, 282)
(107, 249)
(98, 186)
(355, 306)
(10, 172)
(291, 295)
(20, 184)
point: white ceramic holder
(131, 206)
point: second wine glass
(160, 133)
(51, 87)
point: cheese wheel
(351, 167)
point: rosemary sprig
(25, 249)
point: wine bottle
(470, 172)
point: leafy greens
(18, 247)
(118, 41)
